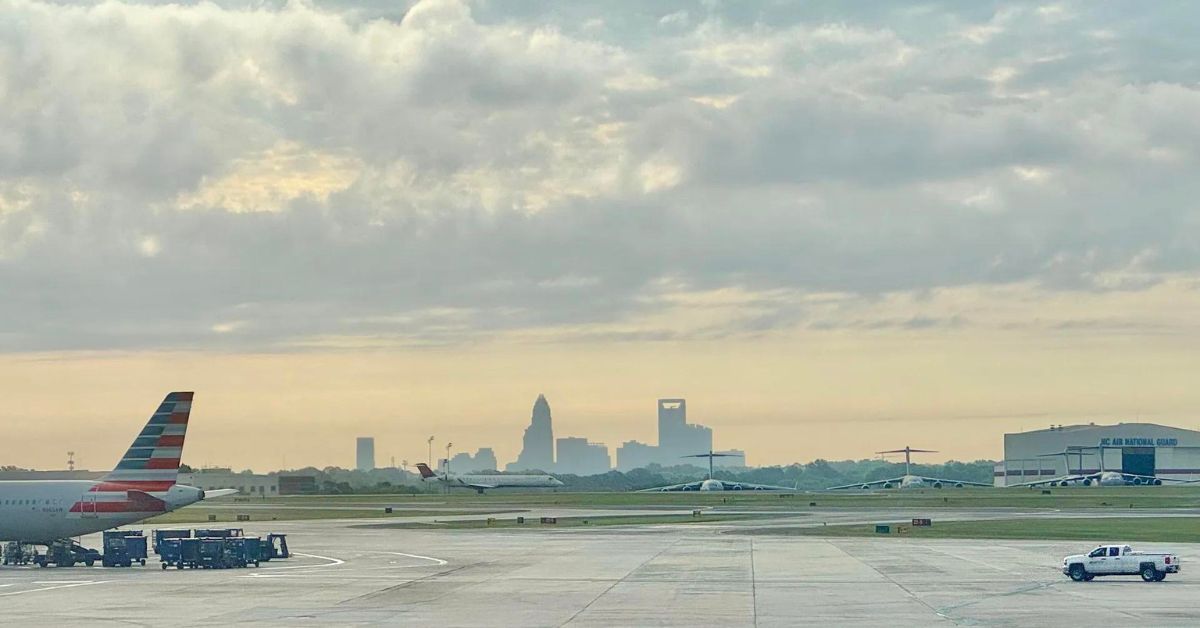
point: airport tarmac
(348, 574)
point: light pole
(430, 461)
(447, 475)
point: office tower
(365, 454)
(537, 450)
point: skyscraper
(537, 450)
(365, 454)
(675, 437)
(580, 457)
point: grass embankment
(1101, 529)
(199, 514)
(926, 500)
(533, 523)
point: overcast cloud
(274, 176)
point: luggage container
(160, 535)
(179, 553)
(218, 533)
(122, 548)
(241, 551)
(212, 554)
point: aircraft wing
(689, 486)
(954, 482)
(869, 485)
(1054, 481)
(1150, 479)
(746, 486)
(479, 486)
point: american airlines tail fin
(426, 472)
(152, 462)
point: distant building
(483, 460)
(676, 438)
(365, 454)
(245, 483)
(579, 457)
(634, 455)
(1144, 449)
(537, 447)
(297, 484)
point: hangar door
(1137, 460)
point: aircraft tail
(426, 472)
(152, 463)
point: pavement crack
(619, 581)
(897, 584)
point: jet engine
(887, 485)
(937, 485)
(958, 485)
(866, 487)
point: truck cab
(1120, 560)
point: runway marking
(437, 561)
(63, 586)
(333, 562)
(619, 581)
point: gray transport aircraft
(908, 480)
(1101, 477)
(712, 484)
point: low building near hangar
(1138, 448)
(245, 483)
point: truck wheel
(90, 562)
(142, 561)
(1078, 574)
(1149, 573)
(163, 565)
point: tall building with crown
(537, 450)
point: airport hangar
(1137, 448)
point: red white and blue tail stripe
(152, 462)
(148, 469)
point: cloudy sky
(833, 227)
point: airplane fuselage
(503, 481)
(40, 511)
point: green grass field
(1099, 529)
(533, 523)
(199, 514)
(1102, 500)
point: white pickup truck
(1120, 560)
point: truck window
(1114, 551)
(1098, 552)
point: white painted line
(64, 586)
(332, 562)
(436, 561)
